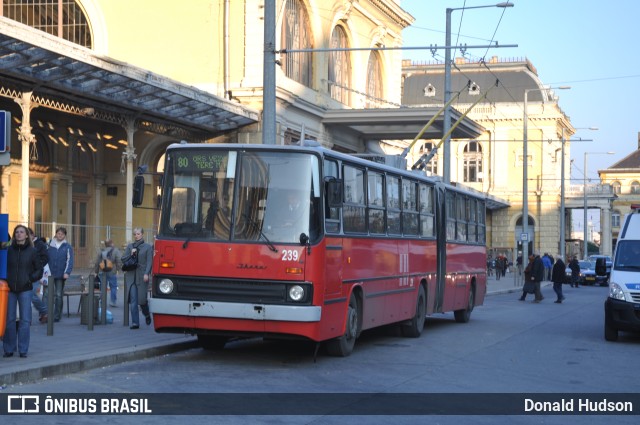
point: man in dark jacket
(575, 271)
(558, 277)
(537, 276)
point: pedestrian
(574, 265)
(529, 286)
(537, 275)
(499, 266)
(548, 264)
(505, 265)
(519, 263)
(138, 280)
(60, 255)
(23, 268)
(108, 262)
(557, 277)
(40, 304)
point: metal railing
(592, 190)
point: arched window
(62, 18)
(635, 187)
(432, 165)
(296, 35)
(339, 67)
(616, 187)
(374, 81)
(473, 162)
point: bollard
(4, 302)
(90, 312)
(125, 309)
(103, 301)
(51, 294)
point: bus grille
(240, 291)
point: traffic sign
(524, 236)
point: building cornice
(393, 10)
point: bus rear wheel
(463, 316)
(212, 342)
(413, 328)
(343, 345)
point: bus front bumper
(285, 313)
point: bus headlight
(165, 286)
(615, 291)
(296, 293)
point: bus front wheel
(343, 345)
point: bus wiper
(257, 227)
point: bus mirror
(334, 193)
(138, 191)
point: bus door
(334, 249)
(333, 268)
(443, 229)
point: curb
(82, 364)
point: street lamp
(525, 177)
(562, 195)
(584, 196)
(446, 118)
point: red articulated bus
(304, 242)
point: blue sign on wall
(5, 131)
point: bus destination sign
(198, 161)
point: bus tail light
(167, 264)
(293, 270)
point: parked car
(587, 274)
(608, 262)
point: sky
(586, 44)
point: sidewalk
(73, 348)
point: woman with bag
(23, 268)
(137, 280)
(529, 286)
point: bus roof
(492, 202)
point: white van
(622, 307)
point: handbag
(130, 262)
(529, 287)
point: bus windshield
(212, 194)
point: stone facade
(624, 178)
(494, 164)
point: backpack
(106, 265)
